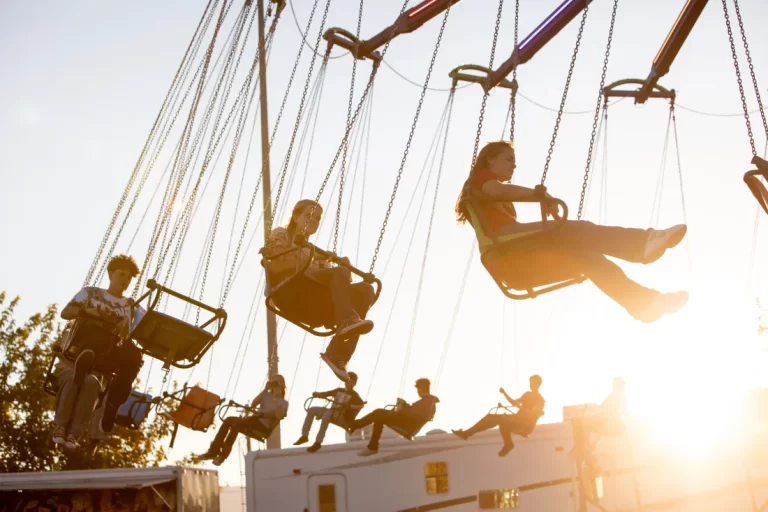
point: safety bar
(331, 402)
(222, 412)
(501, 407)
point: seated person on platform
(610, 421)
(346, 404)
(272, 407)
(351, 301)
(407, 417)
(530, 409)
(78, 388)
(585, 244)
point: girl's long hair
(298, 209)
(489, 151)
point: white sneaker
(660, 240)
(71, 443)
(59, 435)
(663, 304)
(357, 327)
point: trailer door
(327, 493)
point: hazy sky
(83, 82)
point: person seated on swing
(404, 416)
(609, 422)
(351, 301)
(112, 350)
(272, 407)
(530, 408)
(346, 404)
(585, 244)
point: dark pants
(508, 424)
(586, 245)
(349, 299)
(123, 361)
(381, 418)
(227, 435)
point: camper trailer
(166, 489)
(438, 471)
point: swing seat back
(304, 301)
(89, 333)
(257, 434)
(135, 410)
(196, 410)
(169, 339)
(525, 261)
(409, 434)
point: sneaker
(218, 461)
(301, 440)
(663, 304)
(660, 240)
(71, 443)
(368, 451)
(59, 435)
(314, 447)
(355, 326)
(83, 366)
(205, 456)
(460, 433)
(337, 365)
(506, 449)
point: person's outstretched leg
(86, 400)
(312, 414)
(343, 349)
(218, 441)
(486, 422)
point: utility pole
(266, 187)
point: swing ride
(172, 334)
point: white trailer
(438, 471)
(167, 489)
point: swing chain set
(590, 152)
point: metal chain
(481, 118)
(513, 92)
(565, 95)
(751, 66)
(303, 98)
(410, 140)
(738, 78)
(595, 120)
(343, 170)
(345, 139)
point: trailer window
(498, 499)
(327, 497)
(436, 474)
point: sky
(83, 82)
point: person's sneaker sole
(357, 329)
(340, 373)
(676, 236)
(83, 366)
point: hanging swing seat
(340, 418)
(407, 434)
(302, 300)
(171, 340)
(506, 410)
(523, 261)
(755, 184)
(135, 410)
(251, 433)
(94, 333)
(196, 409)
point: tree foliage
(26, 410)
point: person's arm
(325, 394)
(507, 192)
(77, 306)
(256, 401)
(279, 241)
(512, 401)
